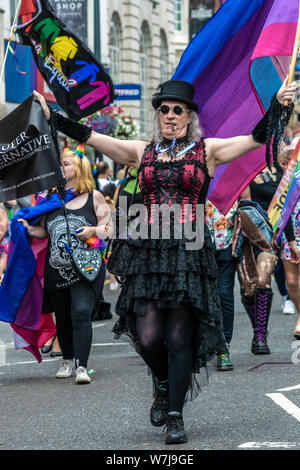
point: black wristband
(270, 129)
(70, 128)
(259, 132)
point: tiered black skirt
(165, 272)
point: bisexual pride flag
(286, 196)
(236, 63)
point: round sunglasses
(164, 109)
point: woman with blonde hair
(71, 298)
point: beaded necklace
(180, 146)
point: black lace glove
(70, 128)
(270, 129)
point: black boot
(175, 428)
(249, 304)
(160, 407)
(263, 303)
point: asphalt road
(242, 409)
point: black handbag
(87, 262)
(117, 261)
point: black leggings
(73, 308)
(165, 341)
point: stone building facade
(140, 49)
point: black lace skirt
(165, 272)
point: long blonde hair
(84, 181)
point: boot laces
(174, 422)
(261, 318)
(161, 399)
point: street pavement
(241, 409)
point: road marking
(101, 324)
(58, 358)
(110, 344)
(285, 404)
(288, 389)
(272, 445)
(27, 362)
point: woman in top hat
(169, 304)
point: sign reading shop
(28, 159)
(74, 14)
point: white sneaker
(82, 376)
(288, 307)
(65, 369)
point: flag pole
(10, 38)
(294, 56)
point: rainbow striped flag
(236, 63)
(286, 195)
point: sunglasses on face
(164, 109)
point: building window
(163, 57)
(178, 15)
(114, 49)
(144, 51)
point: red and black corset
(183, 182)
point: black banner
(28, 159)
(80, 84)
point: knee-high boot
(263, 303)
(249, 304)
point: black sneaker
(160, 406)
(175, 429)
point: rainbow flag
(236, 63)
(286, 195)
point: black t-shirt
(59, 272)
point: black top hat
(176, 90)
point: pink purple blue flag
(236, 63)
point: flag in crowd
(286, 195)
(79, 82)
(236, 63)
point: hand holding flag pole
(294, 56)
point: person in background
(290, 245)
(109, 194)
(104, 174)
(71, 299)
(258, 196)
(221, 235)
(287, 306)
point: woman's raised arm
(220, 151)
(124, 152)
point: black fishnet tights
(165, 340)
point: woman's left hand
(287, 92)
(295, 255)
(86, 232)
(43, 104)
